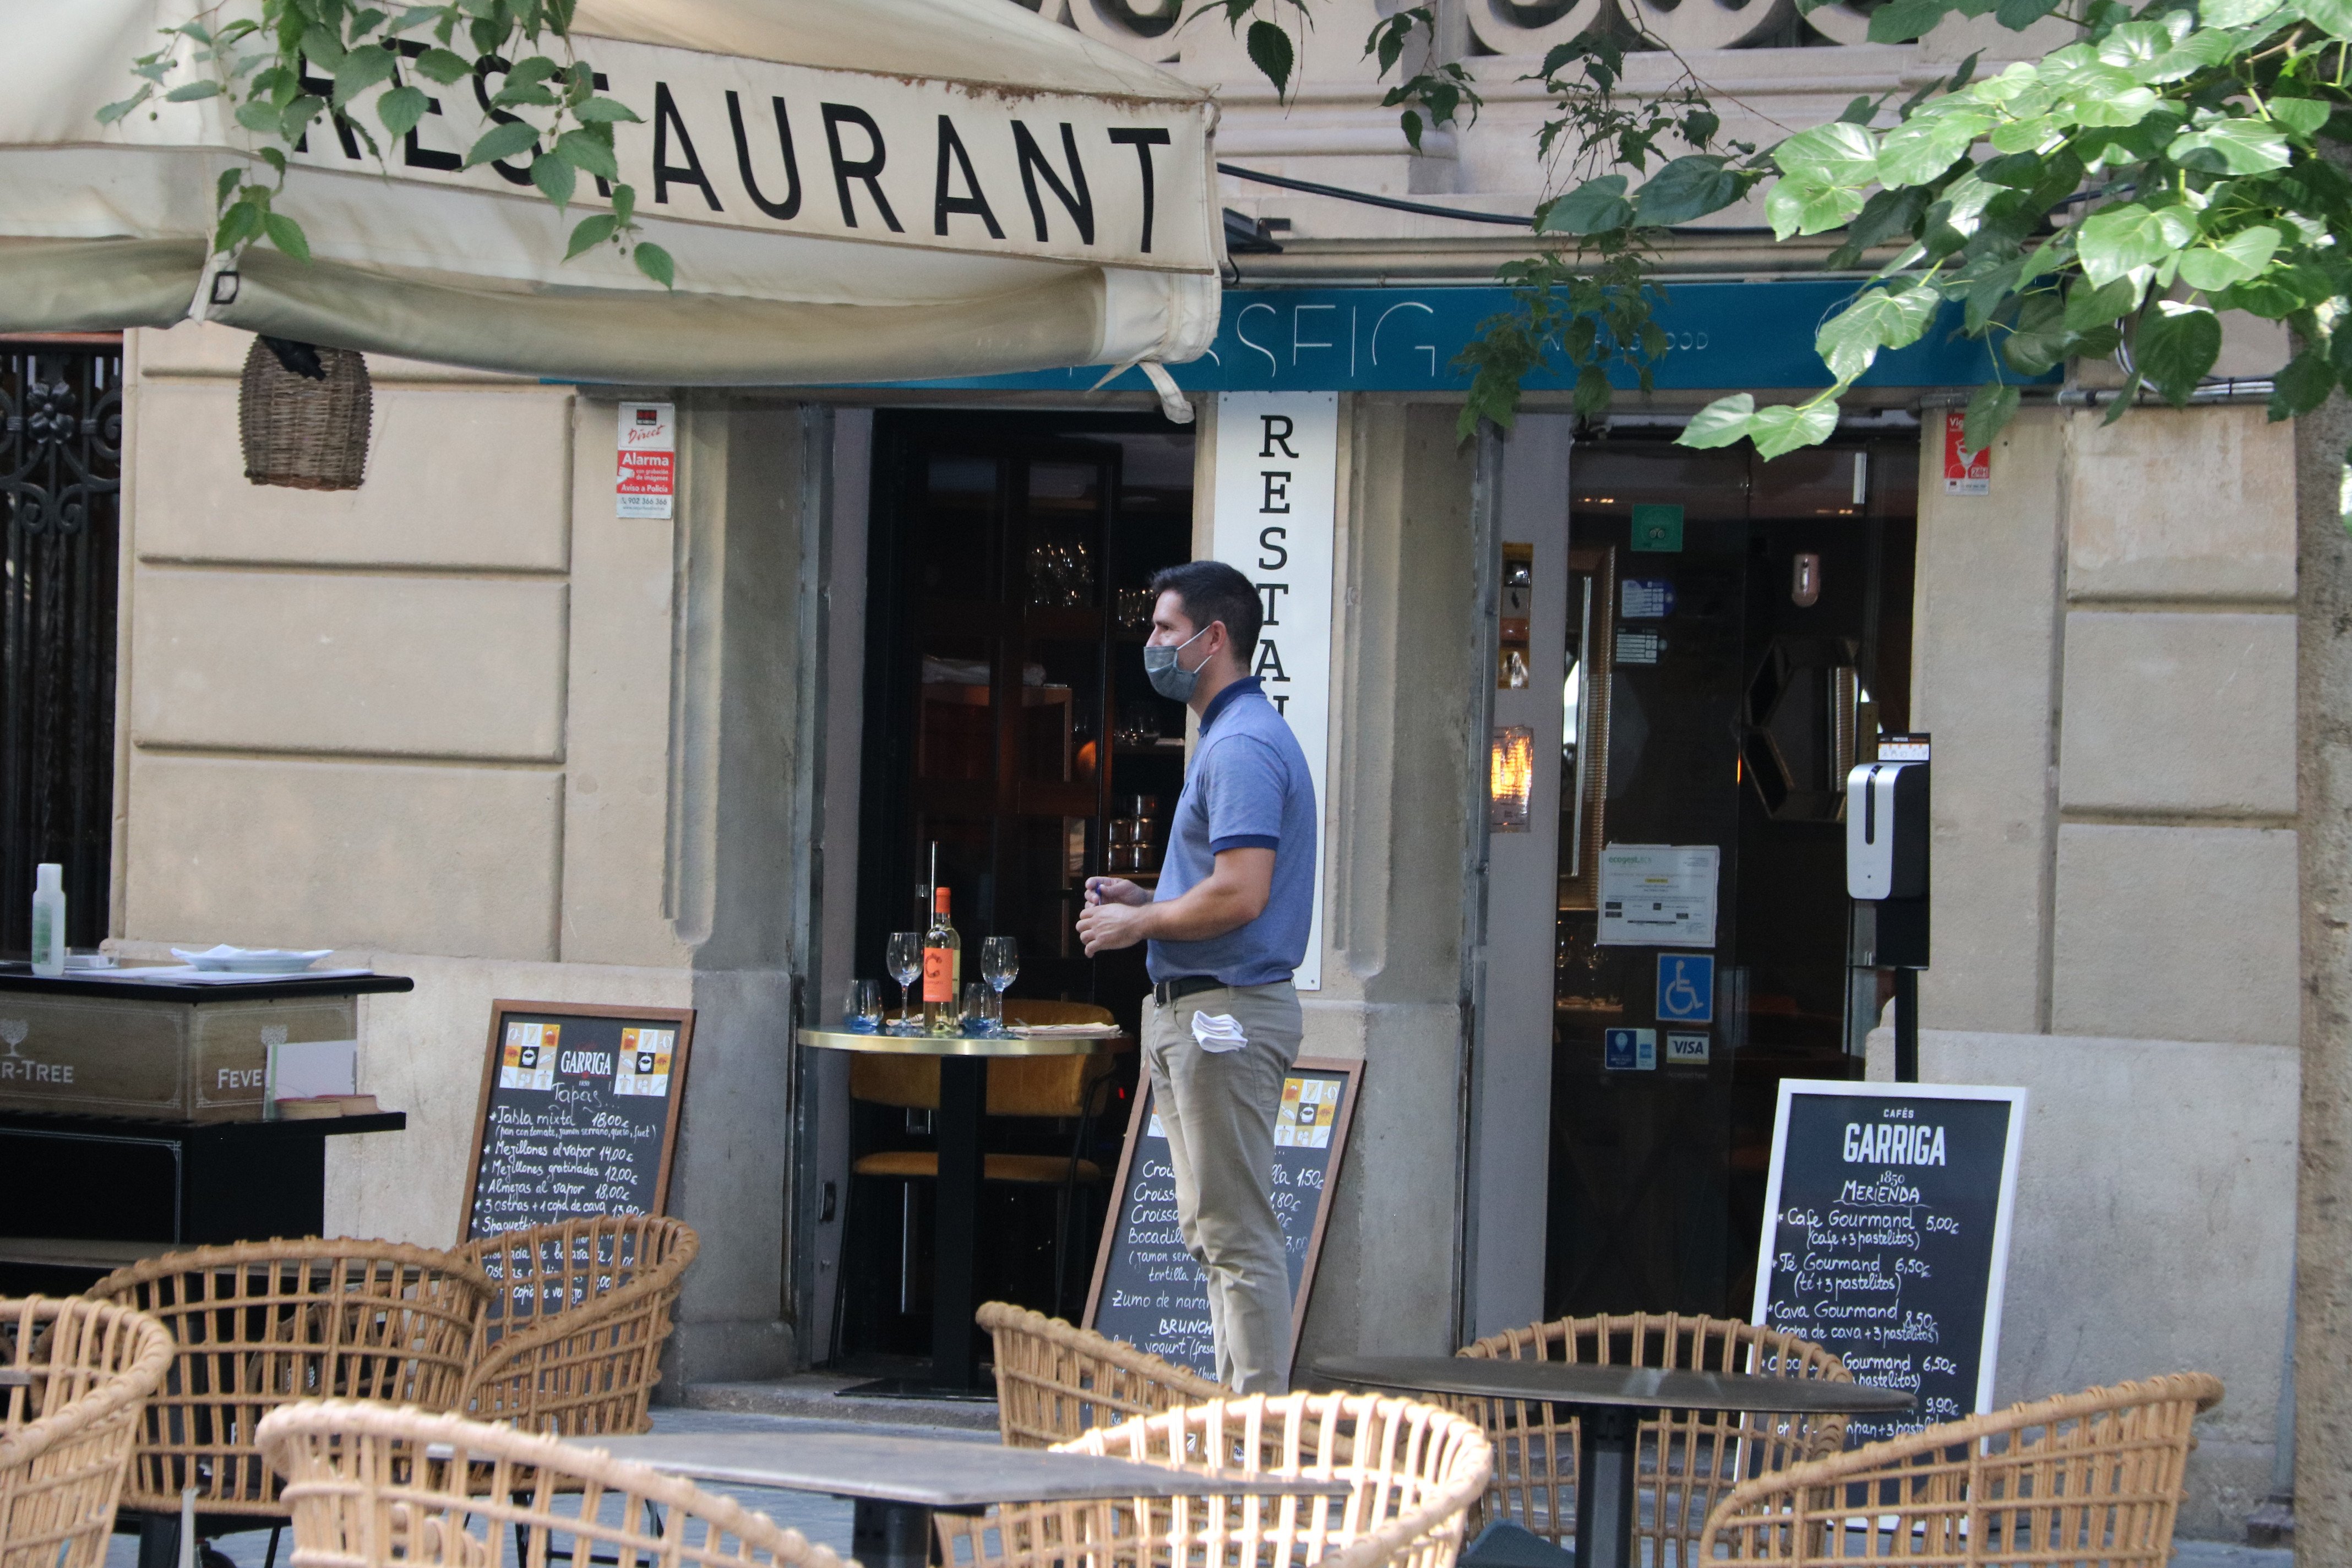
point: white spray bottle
(49, 920)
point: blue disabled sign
(1685, 988)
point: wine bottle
(942, 970)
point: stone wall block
(2193, 504)
(456, 476)
(2179, 712)
(456, 861)
(426, 665)
(2174, 932)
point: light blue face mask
(1170, 678)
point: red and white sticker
(1966, 473)
(647, 483)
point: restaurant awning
(853, 190)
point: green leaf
(655, 263)
(363, 68)
(1799, 204)
(1922, 148)
(2116, 239)
(2303, 116)
(443, 66)
(2334, 16)
(1906, 20)
(1786, 426)
(625, 203)
(2235, 259)
(591, 232)
(323, 50)
(189, 91)
(1990, 409)
(296, 117)
(2089, 305)
(2303, 385)
(1269, 50)
(2277, 292)
(1882, 318)
(1719, 424)
(555, 178)
(588, 150)
(2018, 14)
(241, 222)
(1592, 206)
(400, 109)
(2199, 52)
(256, 114)
(2235, 13)
(287, 236)
(597, 110)
(1689, 187)
(2175, 346)
(114, 112)
(2037, 339)
(225, 186)
(1839, 153)
(2230, 145)
(502, 141)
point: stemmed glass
(999, 961)
(906, 961)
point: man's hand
(1116, 890)
(1234, 892)
(1106, 927)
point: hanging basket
(306, 433)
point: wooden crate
(162, 1058)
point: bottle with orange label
(942, 970)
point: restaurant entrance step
(818, 1396)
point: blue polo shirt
(1245, 788)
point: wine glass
(905, 961)
(999, 961)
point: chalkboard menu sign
(1886, 1222)
(579, 1113)
(1148, 1291)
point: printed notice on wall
(1966, 473)
(1277, 476)
(646, 482)
(1886, 1221)
(1658, 895)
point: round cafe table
(1609, 1403)
(963, 1100)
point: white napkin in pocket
(1218, 1031)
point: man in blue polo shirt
(1227, 927)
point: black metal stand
(1907, 1026)
(1608, 1457)
(890, 1534)
(963, 1097)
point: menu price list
(577, 1122)
(1885, 1244)
(1153, 1294)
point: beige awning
(854, 190)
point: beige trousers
(1218, 1110)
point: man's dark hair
(1213, 591)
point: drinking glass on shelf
(862, 1013)
(1000, 961)
(974, 1018)
(905, 960)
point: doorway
(1738, 635)
(1010, 730)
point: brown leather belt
(1168, 993)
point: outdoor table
(963, 1100)
(1609, 1403)
(896, 1482)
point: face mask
(1172, 679)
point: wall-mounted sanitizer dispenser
(1886, 831)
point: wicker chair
(65, 1436)
(1692, 1457)
(571, 1341)
(1415, 1471)
(2084, 1478)
(371, 1487)
(1054, 1381)
(257, 1324)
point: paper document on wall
(1658, 895)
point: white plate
(226, 960)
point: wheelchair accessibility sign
(1685, 988)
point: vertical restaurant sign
(1277, 483)
(646, 481)
(1965, 473)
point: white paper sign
(1658, 895)
(1277, 477)
(646, 482)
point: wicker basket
(304, 434)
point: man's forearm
(1206, 910)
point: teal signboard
(1724, 336)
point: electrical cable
(1312, 189)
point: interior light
(1511, 778)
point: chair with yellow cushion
(1060, 1087)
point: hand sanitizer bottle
(49, 920)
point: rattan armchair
(66, 1433)
(370, 1486)
(571, 1341)
(1054, 1381)
(1689, 1458)
(1415, 1471)
(257, 1324)
(2088, 1478)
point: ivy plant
(288, 68)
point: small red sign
(646, 478)
(1965, 473)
